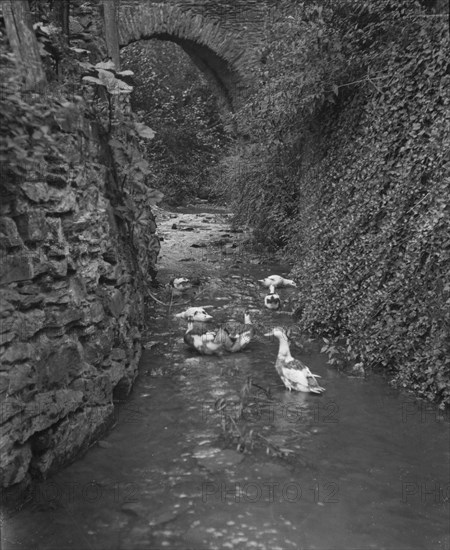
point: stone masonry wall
(222, 39)
(71, 305)
(70, 308)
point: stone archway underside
(220, 54)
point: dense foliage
(176, 101)
(348, 170)
(38, 126)
(30, 121)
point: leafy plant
(346, 167)
(238, 420)
(175, 100)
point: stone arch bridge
(221, 38)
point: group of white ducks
(235, 337)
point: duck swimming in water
(272, 300)
(198, 313)
(276, 281)
(202, 340)
(294, 374)
(180, 283)
(240, 334)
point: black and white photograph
(224, 275)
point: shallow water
(365, 467)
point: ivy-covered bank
(78, 250)
(349, 172)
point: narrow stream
(361, 467)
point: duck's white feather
(272, 300)
(294, 374)
(277, 281)
(202, 340)
(198, 313)
(240, 334)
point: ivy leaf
(144, 131)
(154, 196)
(126, 73)
(143, 165)
(79, 50)
(93, 80)
(108, 65)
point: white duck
(202, 340)
(294, 374)
(180, 284)
(198, 313)
(239, 334)
(272, 300)
(276, 281)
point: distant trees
(178, 104)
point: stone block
(96, 313)
(81, 223)
(110, 273)
(36, 191)
(110, 256)
(58, 180)
(31, 226)
(14, 464)
(9, 235)
(16, 353)
(124, 279)
(55, 232)
(72, 436)
(118, 354)
(58, 297)
(9, 408)
(116, 303)
(30, 323)
(57, 319)
(57, 269)
(58, 251)
(93, 353)
(31, 289)
(29, 301)
(4, 384)
(96, 390)
(8, 324)
(8, 301)
(46, 409)
(77, 289)
(20, 376)
(59, 364)
(6, 337)
(63, 201)
(16, 267)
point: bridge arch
(219, 54)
